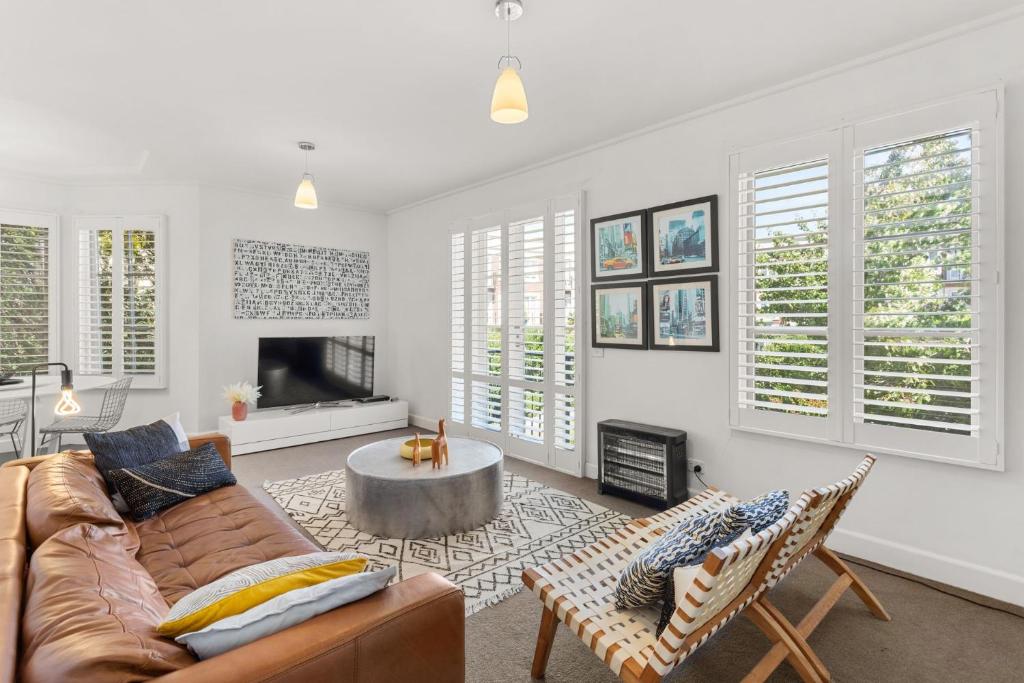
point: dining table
(47, 388)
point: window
(121, 289)
(867, 297)
(28, 287)
(514, 288)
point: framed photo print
(617, 320)
(683, 313)
(617, 246)
(683, 237)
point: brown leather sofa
(82, 588)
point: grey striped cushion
(150, 488)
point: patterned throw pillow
(284, 611)
(131, 448)
(643, 580)
(678, 583)
(150, 488)
(246, 588)
(757, 514)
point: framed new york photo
(683, 313)
(617, 320)
(617, 247)
(683, 237)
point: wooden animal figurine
(439, 448)
(416, 452)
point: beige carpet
(538, 524)
(933, 636)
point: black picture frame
(596, 341)
(642, 252)
(653, 307)
(654, 256)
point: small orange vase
(239, 411)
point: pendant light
(508, 103)
(305, 196)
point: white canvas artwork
(297, 282)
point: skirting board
(423, 422)
(973, 577)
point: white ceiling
(394, 93)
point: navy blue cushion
(131, 448)
(757, 514)
(150, 488)
(643, 580)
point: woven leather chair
(12, 417)
(577, 590)
(114, 399)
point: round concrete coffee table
(385, 495)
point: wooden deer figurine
(417, 454)
(439, 448)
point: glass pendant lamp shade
(508, 103)
(305, 195)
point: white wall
(952, 524)
(207, 347)
(179, 205)
(228, 347)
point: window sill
(874, 450)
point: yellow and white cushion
(246, 588)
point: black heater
(642, 463)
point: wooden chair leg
(546, 635)
(793, 633)
(776, 634)
(832, 561)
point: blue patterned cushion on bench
(644, 578)
(152, 487)
(757, 514)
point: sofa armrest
(221, 441)
(411, 631)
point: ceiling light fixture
(305, 196)
(508, 103)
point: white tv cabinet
(265, 430)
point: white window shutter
(27, 290)
(487, 327)
(896, 304)
(457, 325)
(515, 376)
(121, 298)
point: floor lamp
(66, 405)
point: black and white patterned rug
(537, 524)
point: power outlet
(691, 464)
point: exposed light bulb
(67, 405)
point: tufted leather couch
(82, 588)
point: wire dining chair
(114, 399)
(12, 417)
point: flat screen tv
(303, 370)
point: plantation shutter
(565, 347)
(516, 379)
(27, 290)
(924, 304)
(457, 320)
(526, 329)
(868, 295)
(782, 366)
(120, 298)
(487, 328)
